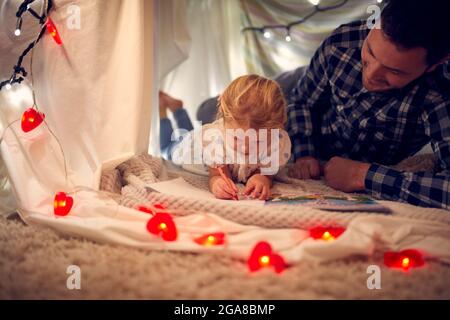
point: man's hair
(419, 23)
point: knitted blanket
(129, 182)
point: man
(372, 97)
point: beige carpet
(33, 263)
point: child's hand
(258, 186)
(221, 189)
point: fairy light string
(19, 73)
(265, 30)
(35, 105)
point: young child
(247, 142)
(251, 103)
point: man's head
(414, 39)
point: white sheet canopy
(97, 91)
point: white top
(213, 145)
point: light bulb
(379, 1)
(8, 86)
(314, 2)
(62, 204)
(51, 28)
(288, 38)
(267, 34)
(212, 239)
(18, 30)
(264, 260)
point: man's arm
(423, 188)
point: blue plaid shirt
(330, 113)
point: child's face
(246, 139)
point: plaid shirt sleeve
(305, 96)
(424, 188)
(421, 189)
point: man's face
(387, 67)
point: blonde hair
(254, 101)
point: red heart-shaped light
(51, 28)
(155, 208)
(405, 259)
(159, 206)
(146, 209)
(211, 239)
(262, 256)
(31, 119)
(326, 233)
(161, 224)
(62, 204)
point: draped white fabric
(173, 38)
(220, 52)
(173, 47)
(12, 102)
(216, 53)
(95, 91)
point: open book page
(329, 202)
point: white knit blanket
(130, 179)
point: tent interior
(97, 150)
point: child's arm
(258, 186)
(219, 186)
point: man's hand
(305, 168)
(258, 186)
(345, 175)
